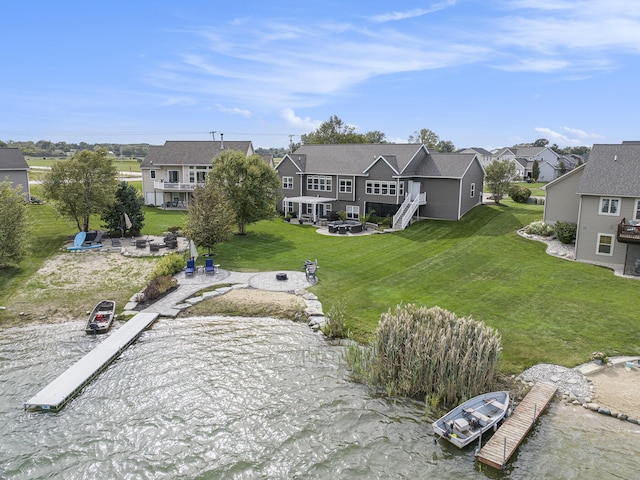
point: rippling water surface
(252, 398)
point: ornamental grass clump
(419, 351)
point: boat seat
(483, 419)
(495, 403)
(461, 425)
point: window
(609, 206)
(288, 207)
(317, 182)
(378, 187)
(605, 244)
(173, 176)
(353, 212)
(198, 174)
(636, 211)
(472, 194)
(153, 173)
(346, 186)
(287, 183)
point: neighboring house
(550, 163)
(400, 180)
(602, 197)
(484, 156)
(13, 167)
(171, 172)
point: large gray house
(171, 172)
(14, 168)
(405, 181)
(603, 198)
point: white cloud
(571, 136)
(234, 111)
(300, 123)
(417, 12)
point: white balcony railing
(174, 187)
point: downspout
(578, 226)
(459, 199)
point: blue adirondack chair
(191, 267)
(208, 266)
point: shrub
(157, 286)
(168, 265)
(519, 194)
(335, 326)
(539, 228)
(565, 231)
(428, 351)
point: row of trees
(45, 148)
(335, 130)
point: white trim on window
(609, 206)
(345, 185)
(319, 182)
(473, 190)
(636, 210)
(604, 245)
(381, 187)
(287, 183)
(152, 173)
(353, 212)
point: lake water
(243, 398)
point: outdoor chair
(141, 243)
(191, 267)
(310, 269)
(209, 267)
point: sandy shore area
(618, 388)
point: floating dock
(507, 439)
(56, 395)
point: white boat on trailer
(469, 420)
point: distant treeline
(44, 148)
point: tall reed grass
(419, 351)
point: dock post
(504, 453)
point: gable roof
(562, 178)
(190, 152)
(352, 159)
(12, 159)
(478, 150)
(530, 151)
(612, 169)
(447, 165)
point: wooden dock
(507, 439)
(56, 395)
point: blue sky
(479, 73)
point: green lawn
(547, 310)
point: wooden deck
(56, 395)
(507, 439)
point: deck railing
(174, 187)
(628, 233)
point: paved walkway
(168, 306)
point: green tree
(82, 186)
(129, 201)
(426, 137)
(541, 142)
(210, 217)
(14, 225)
(335, 130)
(446, 146)
(535, 171)
(248, 184)
(432, 141)
(499, 175)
